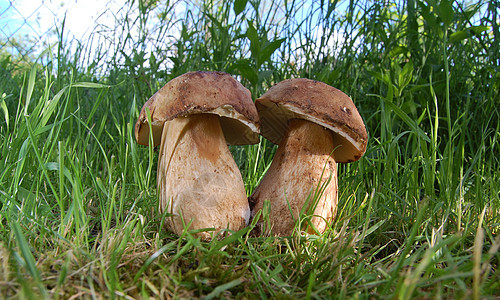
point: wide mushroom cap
(197, 93)
(316, 102)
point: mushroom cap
(316, 102)
(198, 93)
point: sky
(41, 18)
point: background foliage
(418, 214)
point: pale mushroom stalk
(193, 118)
(301, 178)
(198, 177)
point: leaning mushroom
(193, 118)
(315, 126)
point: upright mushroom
(315, 126)
(193, 118)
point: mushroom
(316, 126)
(193, 118)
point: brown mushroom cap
(316, 102)
(202, 92)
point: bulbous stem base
(198, 179)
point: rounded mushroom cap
(316, 102)
(197, 93)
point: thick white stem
(198, 179)
(301, 178)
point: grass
(418, 216)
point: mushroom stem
(198, 179)
(301, 178)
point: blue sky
(39, 18)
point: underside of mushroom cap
(202, 92)
(316, 102)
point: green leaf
(223, 287)
(429, 17)
(253, 36)
(26, 259)
(54, 166)
(405, 76)
(239, 6)
(458, 36)
(397, 50)
(29, 91)
(409, 121)
(92, 85)
(50, 108)
(377, 75)
(20, 163)
(152, 62)
(461, 35)
(229, 239)
(445, 11)
(153, 257)
(244, 68)
(5, 110)
(269, 49)
(479, 29)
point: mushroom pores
(316, 102)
